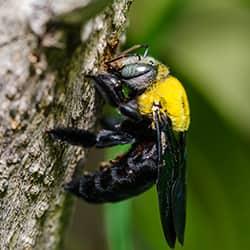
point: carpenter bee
(156, 117)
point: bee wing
(164, 185)
(179, 191)
(171, 184)
(164, 188)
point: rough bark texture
(35, 96)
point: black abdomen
(127, 176)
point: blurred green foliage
(118, 216)
(206, 44)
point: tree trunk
(42, 85)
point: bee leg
(158, 136)
(111, 123)
(109, 138)
(130, 110)
(141, 129)
(73, 136)
(84, 138)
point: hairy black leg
(140, 129)
(127, 176)
(74, 136)
(84, 138)
(108, 138)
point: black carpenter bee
(156, 117)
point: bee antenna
(146, 50)
(128, 51)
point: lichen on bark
(34, 96)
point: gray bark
(36, 96)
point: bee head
(137, 72)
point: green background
(206, 44)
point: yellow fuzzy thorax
(172, 97)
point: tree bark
(43, 85)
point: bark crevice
(35, 96)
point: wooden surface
(37, 94)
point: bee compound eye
(135, 70)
